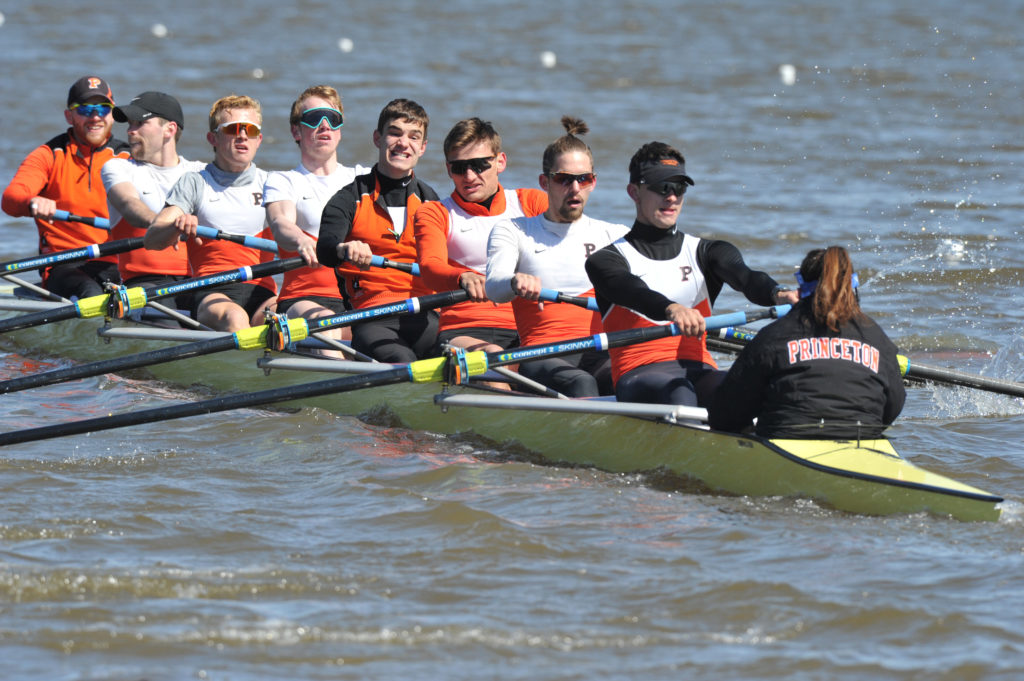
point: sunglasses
(90, 110)
(566, 179)
(235, 128)
(477, 165)
(666, 188)
(312, 118)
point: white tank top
(678, 279)
(467, 234)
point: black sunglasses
(477, 165)
(666, 188)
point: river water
(304, 545)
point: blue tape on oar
(552, 296)
(250, 241)
(410, 267)
(99, 223)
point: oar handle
(410, 267)
(99, 223)
(250, 241)
(551, 296)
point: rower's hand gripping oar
(436, 369)
(122, 302)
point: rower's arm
(336, 224)
(124, 198)
(281, 216)
(721, 262)
(502, 261)
(177, 219)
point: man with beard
(525, 255)
(64, 174)
(137, 187)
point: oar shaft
(604, 341)
(410, 306)
(72, 255)
(263, 269)
(95, 306)
(936, 374)
(124, 363)
(214, 405)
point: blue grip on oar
(552, 296)
(250, 241)
(729, 319)
(410, 267)
(99, 223)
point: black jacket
(801, 380)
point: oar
(205, 232)
(733, 340)
(266, 336)
(410, 267)
(99, 223)
(254, 338)
(37, 262)
(423, 371)
(136, 297)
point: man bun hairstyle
(569, 142)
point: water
(305, 545)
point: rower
(64, 174)
(137, 187)
(226, 195)
(656, 274)
(527, 254)
(451, 236)
(374, 216)
(825, 370)
(295, 201)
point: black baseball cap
(150, 104)
(661, 170)
(89, 86)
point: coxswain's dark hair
(834, 301)
(569, 142)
